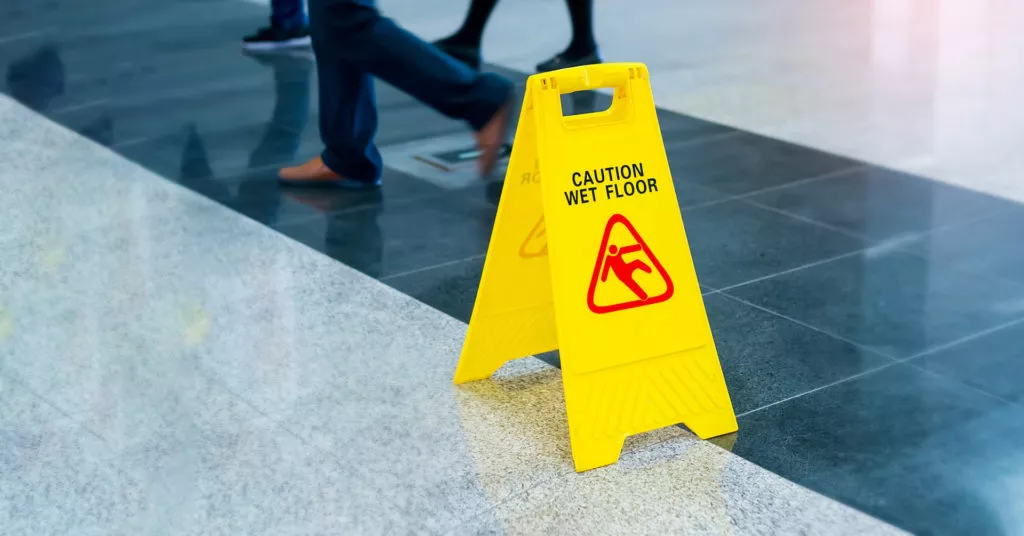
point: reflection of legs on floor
(196, 173)
(257, 197)
(353, 42)
(38, 78)
(281, 138)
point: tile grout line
(962, 384)
(894, 361)
(431, 267)
(804, 219)
(794, 269)
(964, 340)
(895, 244)
(820, 388)
(707, 138)
(798, 182)
(876, 243)
(960, 269)
(912, 234)
(814, 328)
(77, 107)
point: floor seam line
(962, 384)
(698, 140)
(798, 182)
(804, 219)
(794, 269)
(431, 267)
(964, 340)
(811, 327)
(821, 388)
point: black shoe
(275, 37)
(466, 54)
(566, 60)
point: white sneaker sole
(298, 42)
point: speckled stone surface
(169, 367)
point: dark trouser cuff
(499, 91)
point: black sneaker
(275, 37)
(566, 60)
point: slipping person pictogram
(623, 270)
(612, 259)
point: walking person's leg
(289, 27)
(464, 44)
(348, 113)
(582, 50)
(353, 41)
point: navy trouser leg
(352, 42)
(348, 108)
(288, 13)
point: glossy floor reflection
(168, 366)
(869, 321)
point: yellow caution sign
(588, 255)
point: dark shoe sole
(559, 62)
(267, 46)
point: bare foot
(490, 138)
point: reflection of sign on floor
(627, 273)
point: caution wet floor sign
(588, 255)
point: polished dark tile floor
(870, 323)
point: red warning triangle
(536, 243)
(621, 262)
